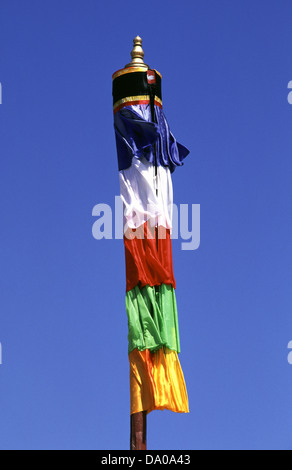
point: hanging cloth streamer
(147, 155)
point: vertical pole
(138, 431)
(138, 420)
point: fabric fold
(148, 255)
(157, 382)
(152, 318)
(136, 136)
(139, 196)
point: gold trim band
(124, 101)
(118, 73)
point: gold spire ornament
(137, 55)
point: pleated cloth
(138, 193)
(147, 155)
(156, 377)
(152, 318)
(148, 260)
(157, 381)
(136, 136)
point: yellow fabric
(157, 381)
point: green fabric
(152, 318)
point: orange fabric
(148, 257)
(157, 381)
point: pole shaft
(138, 431)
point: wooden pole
(138, 431)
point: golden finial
(137, 54)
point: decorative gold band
(131, 100)
(118, 73)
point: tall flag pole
(148, 154)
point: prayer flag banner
(148, 154)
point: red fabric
(148, 257)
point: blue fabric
(136, 136)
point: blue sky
(63, 329)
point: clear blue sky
(63, 327)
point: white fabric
(138, 193)
(143, 110)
